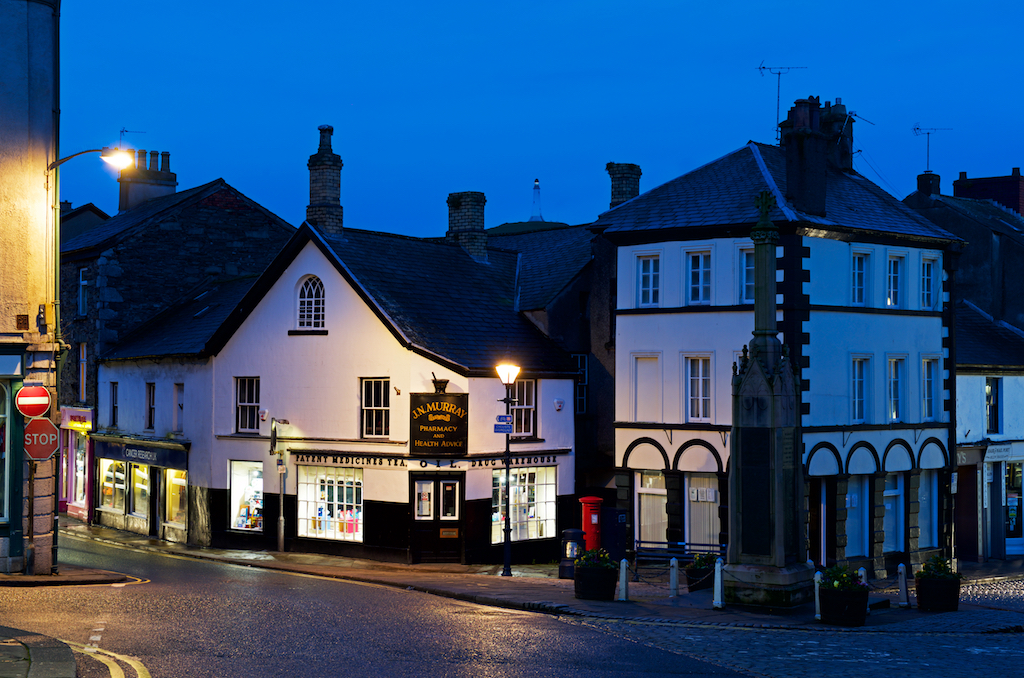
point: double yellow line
(104, 657)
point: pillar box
(592, 521)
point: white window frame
(860, 278)
(582, 381)
(892, 499)
(83, 292)
(249, 495)
(310, 304)
(858, 503)
(895, 388)
(650, 484)
(113, 404)
(524, 410)
(375, 407)
(635, 387)
(993, 401)
(896, 280)
(929, 283)
(533, 503)
(929, 532)
(747, 282)
(247, 404)
(150, 406)
(648, 282)
(704, 398)
(860, 388)
(930, 391)
(83, 370)
(324, 507)
(699, 279)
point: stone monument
(766, 556)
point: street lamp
(113, 156)
(282, 468)
(508, 372)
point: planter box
(938, 595)
(843, 608)
(698, 578)
(596, 583)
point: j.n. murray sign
(439, 424)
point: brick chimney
(805, 148)
(325, 211)
(139, 183)
(837, 126)
(625, 182)
(1007, 191)
(928, 183)
(466, 223)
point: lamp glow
(116, 157)
(507, 373)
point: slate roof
(446, 303)
(432, 295)
(551, 259)
(984, 342)
(123, 223)
(988, 213)
(723, 191)
(186, 327)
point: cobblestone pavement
(1005, 595)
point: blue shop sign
(138, 452)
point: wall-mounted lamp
(112, 156)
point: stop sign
(40, 439)
(32, 401)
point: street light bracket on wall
(508, 372)
(113, 156)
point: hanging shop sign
(76, 418)
(439, 424)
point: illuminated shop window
(532, 503)
(331, 503)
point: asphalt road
(200, 618)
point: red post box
(591, 521)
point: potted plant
(938, 586)
(700, 572)
(595, 575)
(843, 597)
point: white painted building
(379, 351)
(860, 301)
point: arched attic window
(311, 304)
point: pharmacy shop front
(413, 509)
(142, 486)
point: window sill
(513, 441)
(307, 333)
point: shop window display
(532, 503)
(331, 503)
(80, 458)
(247, 495)
(112, 484)
(176, 494)
(140, 490)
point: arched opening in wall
(862, 465)
(650, 505)
(898, 463)
(822, 473)
(700, 496)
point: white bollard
(817, 597)
(673, 578)
(623, 580)
(718, 601)
(862, 574)
(904, 596)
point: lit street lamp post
(508, 373)
(282, 468)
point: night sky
(432, 98)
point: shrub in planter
(938, 586)
(843, 597)
(700, 574)
(595, 575)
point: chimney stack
(805, 149)
(928, 183)
(1007, 191)
(837, 126)
(466, 223)
(325, 211)
(625, 182)
(139, 183)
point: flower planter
(698, 578)
(843, 608)
(595, 583)
(938, 595)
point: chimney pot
(141, 183)
(963, 176)
(154, 161)
(928, 183)
(325, 210)
(1015, 172)
(165, 161)
(141, 161)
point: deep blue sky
(432, 98)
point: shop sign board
(139, 452)
(32, 401)
(76, 418)
(41, 438)
(439, 424)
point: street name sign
(503, 428)
(504, 418)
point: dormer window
(311, 304)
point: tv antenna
(927, 132)
(126, 131)
(777, 71)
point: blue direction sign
(504, 419)
(503, 428)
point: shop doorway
(1012, 520)
(437, 534)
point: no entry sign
(32, 401)
(40, 439)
